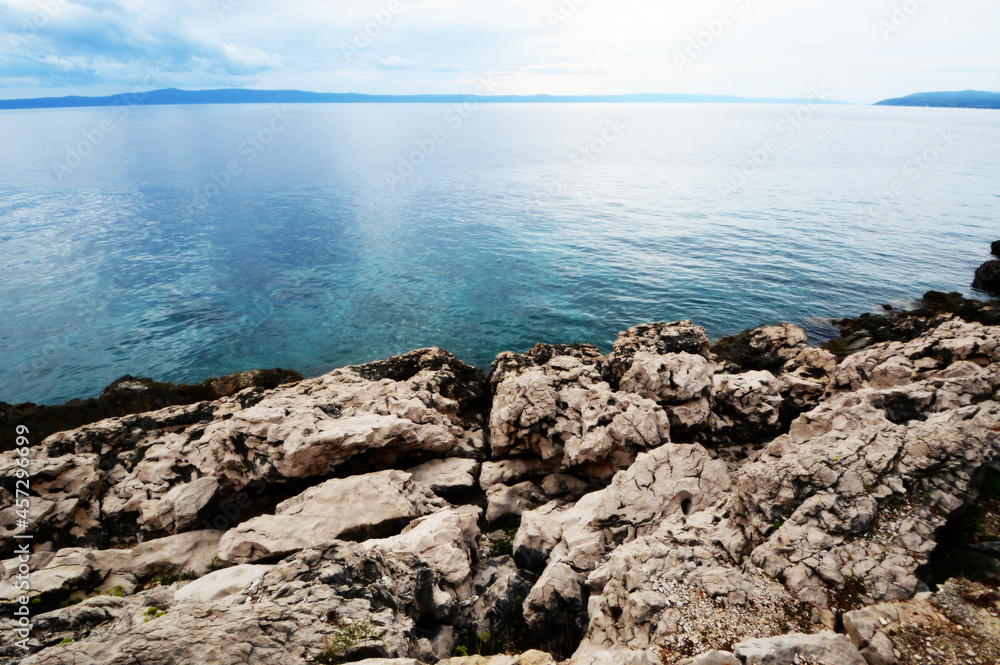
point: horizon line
(174, 95)
(219, 96)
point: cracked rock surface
(755, 501)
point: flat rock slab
(221, 584)
(446, 475)
(333, 510)
(826, 648)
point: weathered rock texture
(759, 501)
(130, 395)
(988, 277)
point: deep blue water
(506, 235)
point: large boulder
(681, 383)
(766, 348)
(673, 479)
(988, 277)
(868, 495)
(564, 413)
(803, 372)
(680, 590)
(657, 339)
(804, 380)
(746, 408)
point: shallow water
(130, 259)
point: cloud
(770, 48)
(390, 62)
(98, 42)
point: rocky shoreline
(754, 501)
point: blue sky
(860, 50)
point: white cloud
(768, 48)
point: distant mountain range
(238, 96)
(970, 99)
(964, 99)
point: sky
(857, 50)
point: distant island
(169, 96)
(968, 99)
(240, 96)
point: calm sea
(188, 242)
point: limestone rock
(672, 378)
(504, 501)
(712, 658)
(681, 383)
(130, 395)
(588, 655)
(657, 339)
(383, 587)
(349, 508)
(540, 355)
(641, 551)
(499, 589)
(513, 470)
(961, 616)
(679, 589)
(988, 277)
(77, 571)
(179, 508)
(826, 648)
(110, 482)
(767, 348)
(746, 408)
(565, 413)
(221, 583)
(672, 479)
(804, 380)
(849, 468)
(447, 475)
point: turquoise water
(128, 258)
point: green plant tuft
(152, 613)
(349, 637)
